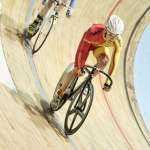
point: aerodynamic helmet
(114, 25)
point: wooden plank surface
(25, 120)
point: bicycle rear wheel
(43, 34)
(78, 109)
(59, 84)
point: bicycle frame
(50, 13)
(80, 104)
(83, 84)
(88, 79)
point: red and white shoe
(56, 99)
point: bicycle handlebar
(60, 3)
(99, 70)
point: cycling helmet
(114, 25)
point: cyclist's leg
(69, 77)
(59, 10)
(61, 7)
(60, 92)
(40, 17)
(102, 56)
(56, 102)
(45, 9)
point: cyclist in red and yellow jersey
(97, 39)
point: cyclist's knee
(102, 61)
(49, 5)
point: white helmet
(114, 25)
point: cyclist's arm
(82, 51)
(115, 58)
(72, 3)
(85, 43)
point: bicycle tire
(36, 49)
(70, 130)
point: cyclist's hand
(106, 87)
(79, 73)
(69, 13)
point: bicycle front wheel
(43, 34)
(78, 109)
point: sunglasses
(111, 34)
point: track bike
(80, 102)
(46, 26)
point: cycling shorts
(101, 51)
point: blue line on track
(34, 70)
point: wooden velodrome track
(114, 121)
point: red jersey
(91, 40)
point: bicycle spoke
(83, 103)
(71, 112)
(75, 116)
(78, 109)
(81, 114)
(43, 34)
